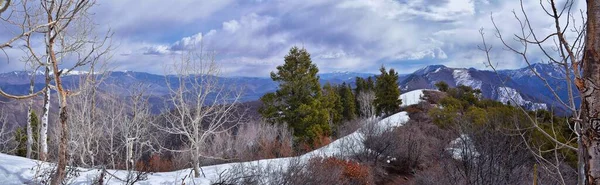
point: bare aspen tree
(573, 46)
(114, 115)
(589, 88)
(65, 30)
(119, 119)
(85, 50)
(26, 30)
(28, 26)
(43, 132)
(365, 100)
(7, 142)
(202, 107)
(29, 112)
(84, 138)
(135, 133)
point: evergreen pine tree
(442, 86)
(348, 102)
(333, 101)
(297, 102)
(360, 85)
(387, 92)
(36, 134)
(370, 83)
(363, 85)
(21, 139)
(20, 136)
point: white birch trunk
(43, 139)
(29, 129)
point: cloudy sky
(251, 37)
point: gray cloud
(251, 37)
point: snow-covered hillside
(488, 82)
(507, 94)
(411, 98)
(18, 170)
(462, 77)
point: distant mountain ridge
(253, 88)
(519, 85)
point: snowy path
(18, 170)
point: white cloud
(231, 26)
(157, 50)
(251, 37)
(187, 43)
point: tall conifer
(297, 102)
(387, 92)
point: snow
(74, 72)
(507, 94)
(19, 170)
(462, 147)
(412, 97)
(395, 120)
(430, 69)
(462, 77)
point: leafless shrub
(180, 160)
(337, 171)
(492, 156)
(298, 172)
(349, 127)
(287, 173)
(419, 112)
(433, 97)
(251, 141)
(432, 176)
(403, 150)
(7, 141)
(365, 101)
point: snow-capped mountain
(519, 87)
(253, 87)
(553, 76)
(544, 70)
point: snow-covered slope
(507, 94)
(412, 97)
(463, 77)
(18, 170)
(522, 81)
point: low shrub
(338, 171)
(156, 163)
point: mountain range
(252, 88)
(519, 86)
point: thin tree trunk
(60, 174)
(589, 87)
(43, 139)
(196, 164)
(29, 129)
